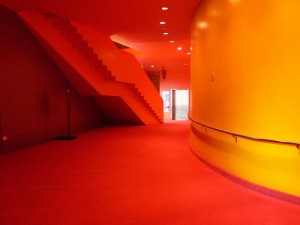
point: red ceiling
(134, 23)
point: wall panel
(245, 78)
(33, 91)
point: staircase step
(86, 63)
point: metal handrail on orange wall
(236, 136)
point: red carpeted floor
(127, 175)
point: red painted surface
(96, 67)
(33, 91)
(128, 176)
(117, 112)
(124, 67)
(176, 79)
(132, 23)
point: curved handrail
(235, 135)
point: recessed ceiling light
(162, 22)
(164, 8)
(166, 33)
(179, 48)
(172, 41)
(152, 66)
(234, 1)
(202, 25)
(188, 53)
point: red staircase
(95, 67)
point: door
(180, 104)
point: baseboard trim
(255, 187)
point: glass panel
(182, 104)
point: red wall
(176, 79)
(33, 91)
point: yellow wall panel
(245, 79)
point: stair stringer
(124, 67)
(69, 29)
(74, 66)
(76, 39)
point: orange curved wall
(245, 79)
